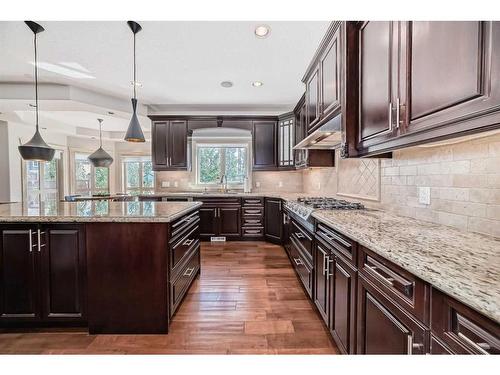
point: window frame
(41, 191)
(93, 190)
(221, 145)
(141, 159)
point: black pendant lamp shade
(36, 148)
(100, 158)
(134, 131)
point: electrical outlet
(319, 186)
(280, 184)
(424, 195)
(165, 184)
(257, 184)
(176, 184)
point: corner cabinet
(412, 90)
(42, 273)
(169, 148)
(265, 141)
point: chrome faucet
(223, 181)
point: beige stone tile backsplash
(464, 180)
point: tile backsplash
(463, 177)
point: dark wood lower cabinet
(273, 220)
(230, 221)
(342, 283)
(42, 273)
(63, 272)
(19, 297)
(220, 219)
(322, 286)
(383, 327)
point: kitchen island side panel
(127, 274)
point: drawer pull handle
(253, 221)
(188, 242)
(188, 272)
(253, 211)
(298, 261)
(333, 237)
(388, 277)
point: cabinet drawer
(303, 238)
(253, 222)
(253, 232)
(219, 201)
(181, 248)
(253, 211)
(179, 225)
(180, 285)
(302, 267)
(257, 201)
(339, 242)
(403, 287)
(462, 329)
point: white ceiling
(179, 63)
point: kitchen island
(118, 267)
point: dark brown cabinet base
(42, 274)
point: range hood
(326, 137)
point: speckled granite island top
(463, 265)
(97, 211)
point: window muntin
(90, 180)
(138, 175)
(215, 161)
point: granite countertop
(97, 211)
(270, 194)
(464, 265)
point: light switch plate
(424, 195)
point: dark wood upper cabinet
(18, 276)
(330, 65)
(323, 79)
(376, 82)
(286, 140)
(63, 272)
(451, 70)
(169, 145)
(243, 124)
(273, 220)
(265, 145)
(312, 100)
(424, 81)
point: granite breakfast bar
(117, 267)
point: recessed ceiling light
(226, 84)
(262, 31)
(257, 84)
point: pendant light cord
(36, 85)
(134, 83)
(100, 132)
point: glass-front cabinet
(286, 137)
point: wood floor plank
(247, 300)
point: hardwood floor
(247, 300)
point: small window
(215, 161)
(90, 180)
(41, 180)
(138, 175)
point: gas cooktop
(304, 206)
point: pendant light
(36, 148)
(100, 158)
(134, 131)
